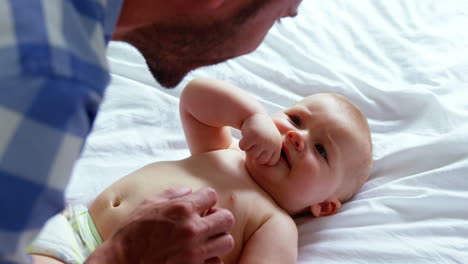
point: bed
(404, 63)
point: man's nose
(296, 139)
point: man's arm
(53, 73)
(43, 125)
(274, 242)
(208, 109)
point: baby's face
(320, 145)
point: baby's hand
(261, 139)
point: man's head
(325, 159)
(178, 36)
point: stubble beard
(171, 52)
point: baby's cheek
(309, 163)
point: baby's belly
(120, 199)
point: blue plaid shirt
(53, 73)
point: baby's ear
(326, 208)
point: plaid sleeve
(53, 73)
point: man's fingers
(207, 251)
(204, 199)
(217, 247)
(215, 260)
(217, 222)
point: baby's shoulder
(225, 164)
(255, 207)
(216, 158)
(270, 232)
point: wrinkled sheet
(404, 63)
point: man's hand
(175, 227)
(261, 139)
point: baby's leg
(68, 237)
(39, 259)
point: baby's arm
(208, 109)
(274, 242)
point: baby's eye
(321, 150)
(295, 120)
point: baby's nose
(296, 139)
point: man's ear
(326, 208)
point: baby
(309, 158)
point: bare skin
(311, 177)
(251, 206)
(178, 36)
(300, 160)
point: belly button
(116, 202)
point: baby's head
(325, 159)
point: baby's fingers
(263, 158)
(245, 144)
(274, 158)
(254, 153)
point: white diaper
(70, 237)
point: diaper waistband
(70, 236)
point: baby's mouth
(284, 156)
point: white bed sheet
(404, 63)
